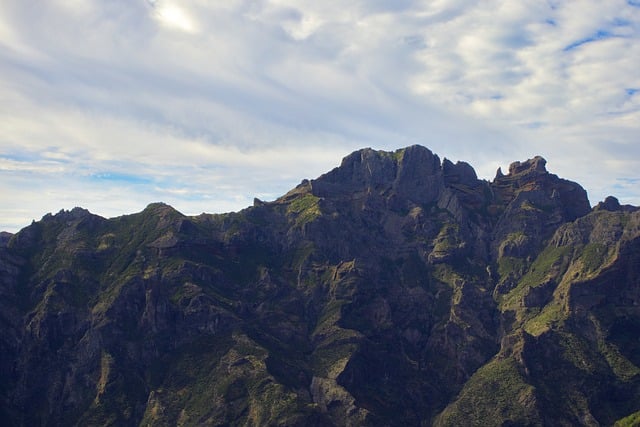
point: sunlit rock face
(396, 289)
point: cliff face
(397, 289)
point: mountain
(397, 289)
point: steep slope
(395, 289)
(569, 353)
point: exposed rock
(4, 238)
(394, 290)
(612, 204)
(534, 166)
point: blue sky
(207, 104)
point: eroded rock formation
(396, 289)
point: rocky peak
(528, 184)
(537, 165)
(526, 175)
(65, 215)
(612, 204)
(413, 173)
(609, 204)
(394, 290)
(159, 208)
(459, 173)
(414, 176)
(373, 167)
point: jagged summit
(535, 165)
(68, 215)
(612, 204)
(415, 176)
(367, 168)
(413, 172)
(397, 289)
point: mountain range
(397, 289)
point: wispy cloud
(207, 104)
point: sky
(204, 105)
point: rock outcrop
(396, 289)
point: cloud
(206, 105)
(175, 17)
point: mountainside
(395, 290)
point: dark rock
(459, 173)
(4, 238)
(394, 290)
(612, 204)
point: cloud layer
(204, 105)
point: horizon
(112, 106)
(504, 171)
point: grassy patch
(305, 208)
(446, 274)
(549, 265)
(592, 259)
(528, 206)
(510, 265)
(578, 352)
(447, 239)
(329, 317)
(325, 359)
(621, 366)
(593, 256)
(495, 395)
(632, 420)
(543, 267)
(398, 154)
(551, 315)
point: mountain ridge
(396, 288)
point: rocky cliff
(397, 289)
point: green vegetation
(593, 258)
(398, 154)
(632, 420)
(448, 238)
(551, 315)
(528, 206)
(579, 352)
(445, 273)
(622, 367)
(256, 318)
(496, 395)
(549, 265)
(189, 387)
(510, 265)
(299, 256)
(305, 209)
(515, 237)
(326, 359)
(222, 380)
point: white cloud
(173, 16)
(216, 102)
